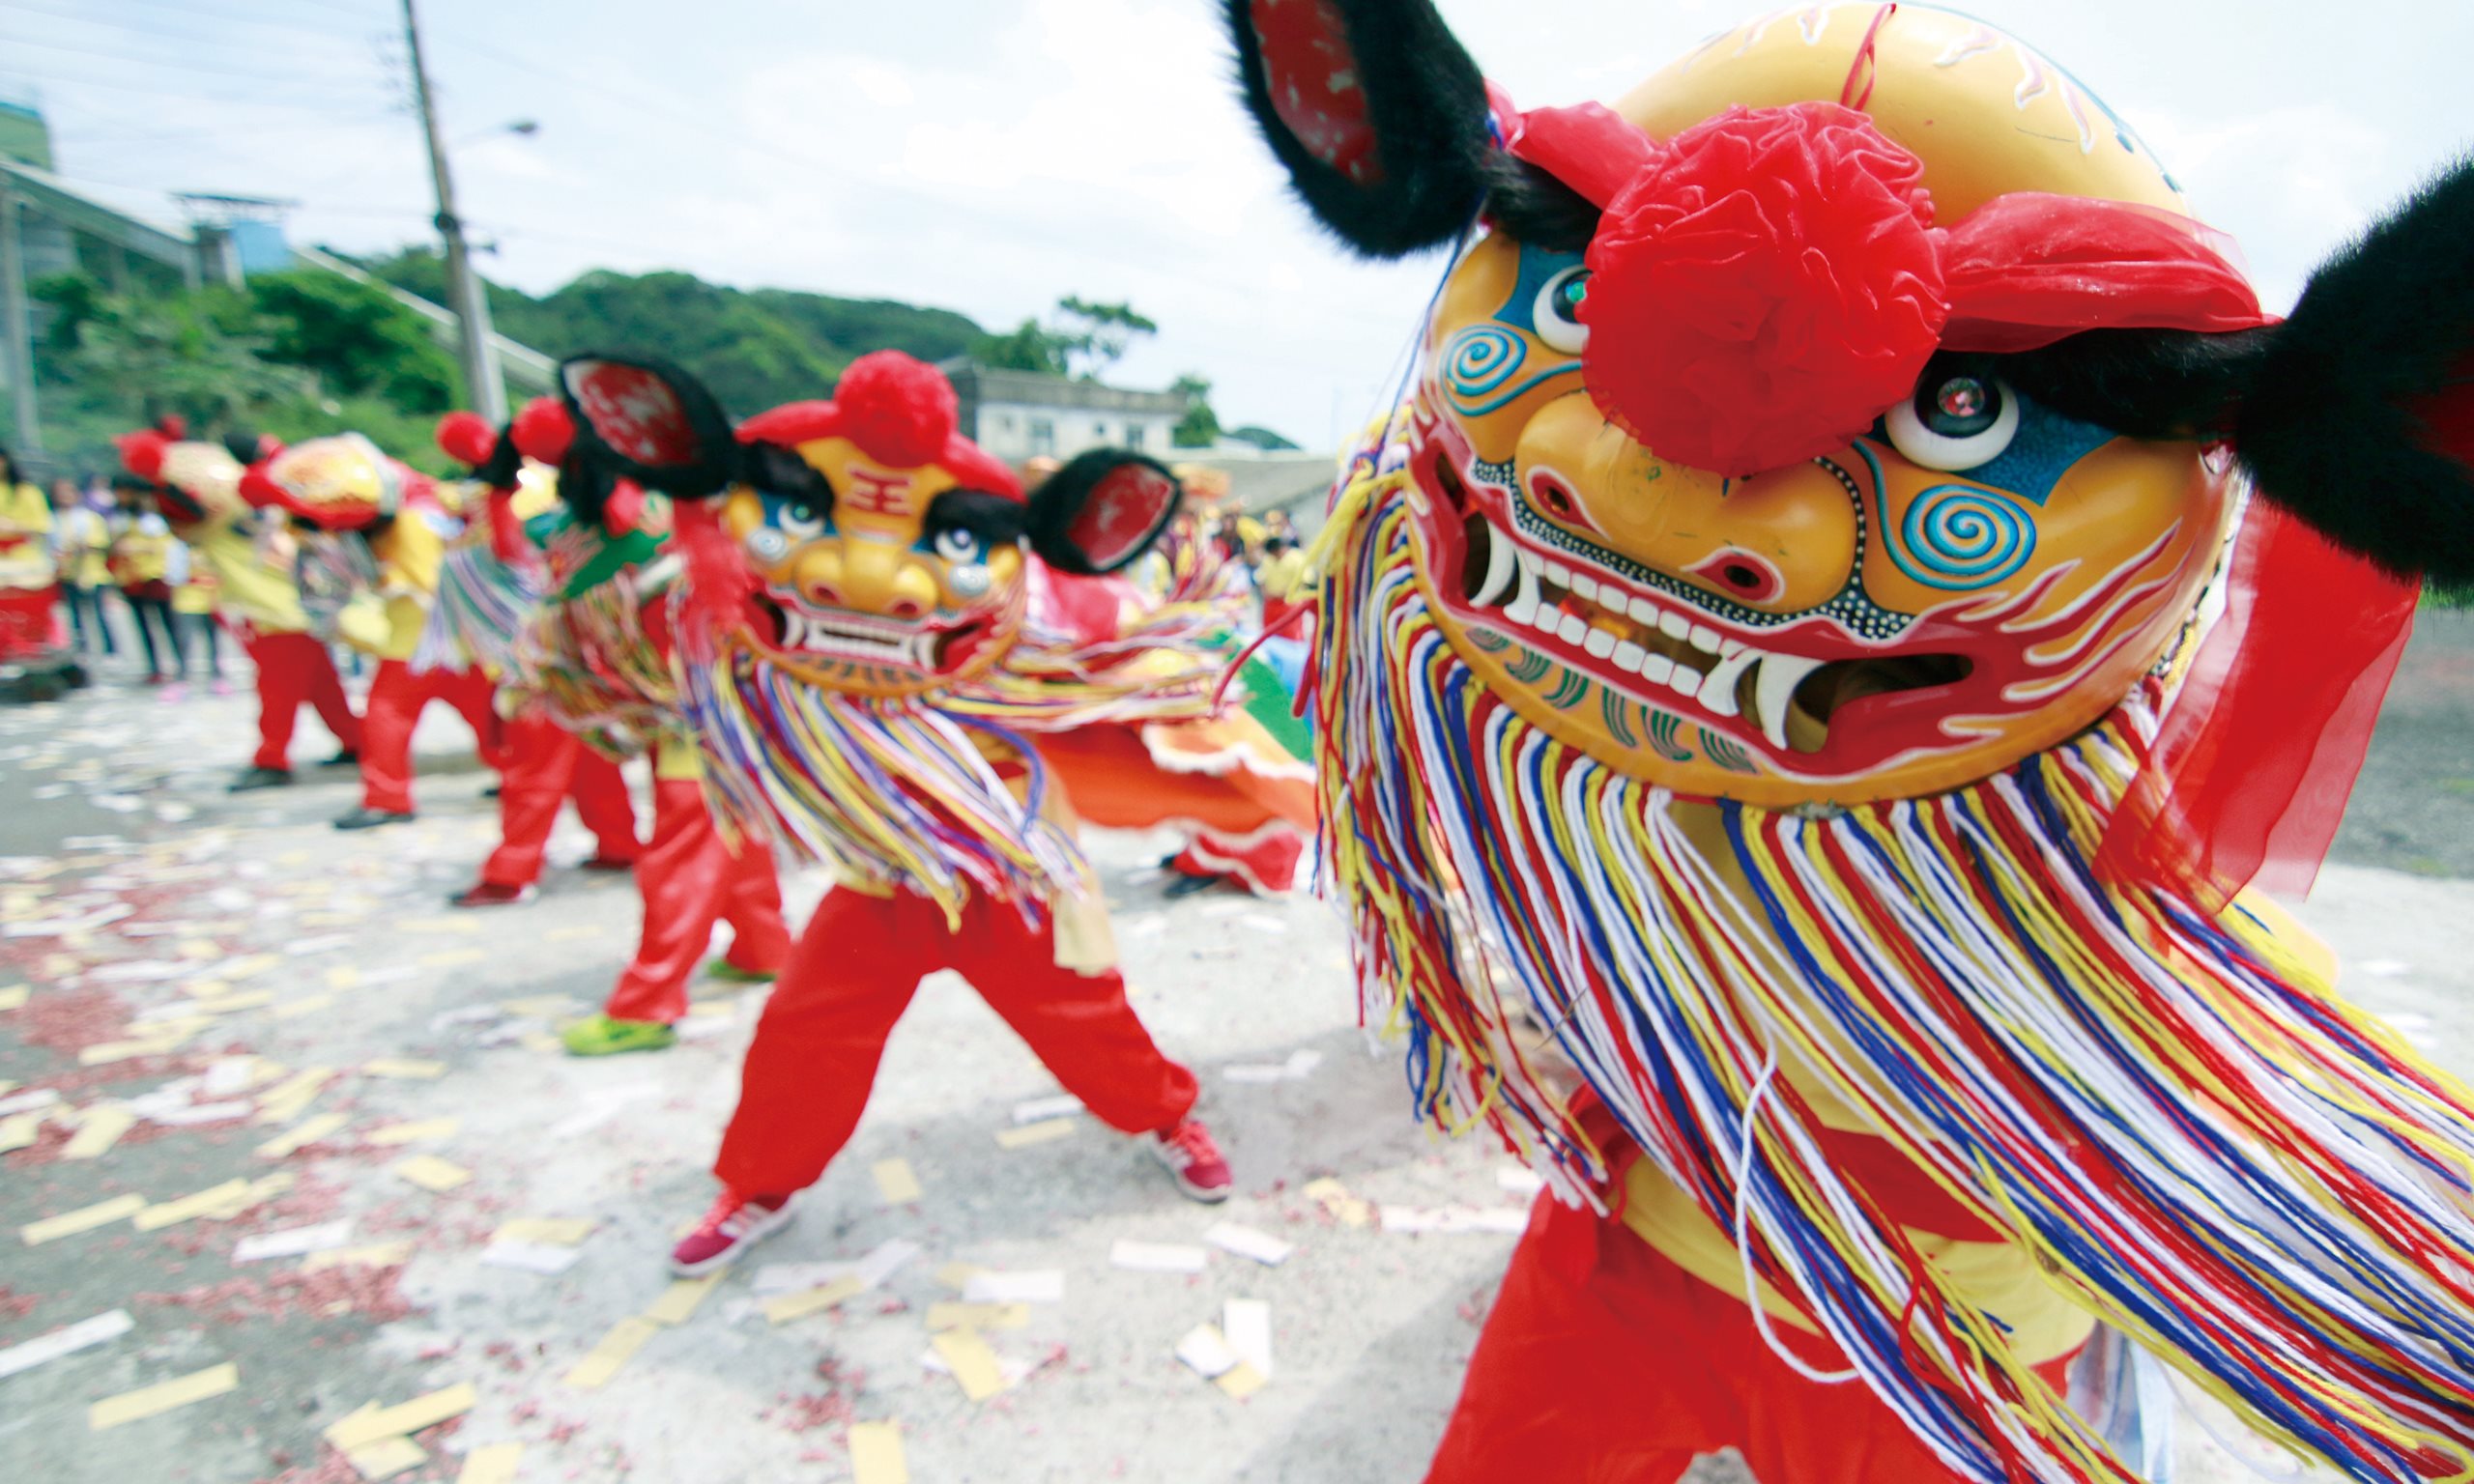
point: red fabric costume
(294, 671)
(851, 978)
(397, 697)
(691, 877)
(544, 765)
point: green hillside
(755, 348)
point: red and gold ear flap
(1375, 109)
(1101, 511)
(650, 421)
(2360, 417)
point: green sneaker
(730, 973)
(602, 1035)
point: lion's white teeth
(1523, 607)
(1598, 644)
(1559, 574)
(795, 631)
(1704, 637)
(1585, 586)
(1573, 630)
(1500, 564)
(1629, 657)
(1718, 686)
(1675, 626)
(1774, 688)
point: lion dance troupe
(1804, 686)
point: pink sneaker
(735, 1223)
(1193, 1159)
(221, 685)
(172, 693)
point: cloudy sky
(991, 155)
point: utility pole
(464, 293)
(17, 329)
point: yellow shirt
(409, 555)
(1283, 576)
(85, 547)
(246, 585)
(23, 507)
(142, 550)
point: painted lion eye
(1557, 314)
(799, 518)
(955, 544)
(1954, 423)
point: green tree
(1099, 333)
(355, 338)
(1199, 427)
(1030, 347)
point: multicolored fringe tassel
(2203, 1146)
(592, 660)
(482, 607)
(331, 568)
(888, 792)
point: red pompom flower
(467, 438)
(1763, 288)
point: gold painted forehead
(864, 487)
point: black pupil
(800, 511)
(1958, 405)
(1741, 576)
(1568, 296)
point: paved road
(1372, 1327)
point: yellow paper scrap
(370, 1425)
(162, 1396)
(98, 1130)
(1240, 1380)
(896, 1185)
(548, 1231)
(20, 1130)
(876, 1454)
(85, 1218)
(402, 1067)
(205, 1202)
(447, 926)
(310, 1130)
(254, 963)
(227, 1004)
(624, 1339)
(283, 1101)
(1041, 1132)
(420, 1132)
(307, 1005)
(105, 1053)
(958, 1275)
(677, 1302)
(573, 932)
(431, 1173)
(973, 1364)
(810, 1300)
(343, 976)
(1346, 1209)
(378, 1254)
(978, 1316)
(199, 947)
(13, 997)
(252, 1192)
(491, 1463)
(386, 1458)
(455, 957)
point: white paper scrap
(1207, 1350)
(1245, 1242)
(530, 1256)
(1041, 1109)
(1247, 1325)
(81, 1335)
(1518, 1180)
(1038, 1285)
(294, 1242)
(1157, 1256)
(28, 1101)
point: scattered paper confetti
(343, 976)
(12, 997)
(162, 1396)
(1156, 1256)
(492, 1462)
(811, 1300)
(1029, 1134)
(1245, 1242)
(876, 1454)
(1453, 1221)
(677, 1302)
(958, 1275)
(305, 1005)
(550, 1231)
(373, 1424)
(402, 1067)
(455, 957)
(950, 1314)
(896, 1185)
(1039, 1110)
(431, 1173)
(1518, 1180)
(85, 1334)
(293, 1242)
(29, 1100)
(531, 1257)
(973, 1364)
(604, 1361)
(1206, 1350)
(69, 1223)
(283, 1102)
(1026, 1286)
(206, 1202)
(310, 1130)
(386, 1458)
(1334, 1198)
(420, 1132)
(1247, 1325)
(20, 1130)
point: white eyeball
(956, 545)
(1557, 314)
(1954, 423)
(799, 520)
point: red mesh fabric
(2028, 268)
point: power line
(153, 31)
(184, 8)
(130, 59)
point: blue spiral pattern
(1958, 537)
(1477, 363)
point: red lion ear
(467, 438)
(646, 421)
(1101, 511)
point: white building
(1023, 415)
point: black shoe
(255, 778)
(371, 818)
(1189, 886)
(347, 759)
(492, 792)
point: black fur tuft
(1426, 102)
(1058, 502)
(242, 445)
(1531, 206)
(705, 465)
(505, 464)
(2140, 383)
(2330, 428)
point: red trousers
(1603, 1362)
(294, 671)
(545, 765)
(397, 697)
(691, 878)
(850, 978)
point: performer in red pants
(691, 877)
(545, 765)
(397, 697)
(295, 670)
(856, 966)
